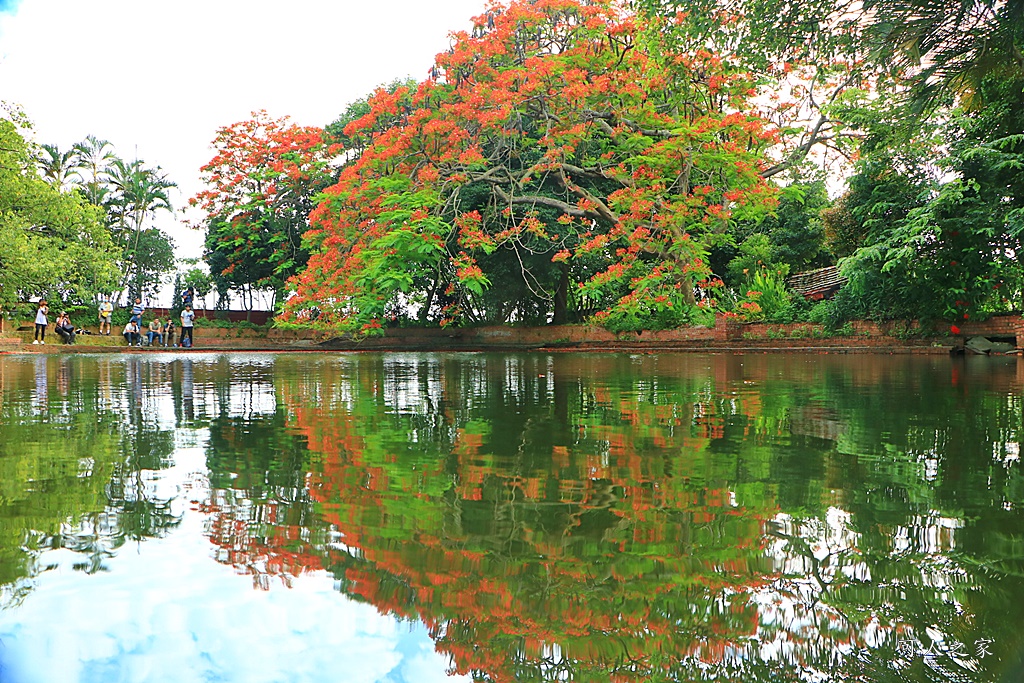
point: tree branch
(602, 208)
(551, 202)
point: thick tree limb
(602, 208)
(819, 133)
(597, 173)
(551, 202)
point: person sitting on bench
(131, 334)
(155, 331)
(169, 332)
(65, 329)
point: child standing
(40, 337)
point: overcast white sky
(160, 78)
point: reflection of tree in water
(76, 465)
(261, 520)
(551, 531)
(650, 518)
(918, 553)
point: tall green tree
(52, 243)
(93, 159)
(934, 222)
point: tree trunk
(561, 316)
(688, 291)
(425, 311)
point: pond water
(510, 517)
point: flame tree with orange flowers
(260, 189)
(561, 159)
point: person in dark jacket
(169, 333)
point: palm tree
(57, 167)
(136, 193)
(955, 43)
(94, 156)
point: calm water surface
(430, 517)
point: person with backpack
(65, 330)
(188, 318)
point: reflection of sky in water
(164, 610)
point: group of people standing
(156, 331)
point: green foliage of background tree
(989, 144)
(790, 240)
(52, 243)
(93, 159)
(200, 281)
(153, 260)
(951, 45)
(934, 221)
(130, 194)
(58, 168)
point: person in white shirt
(41, 312)
(188, 318)
(131, 334)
